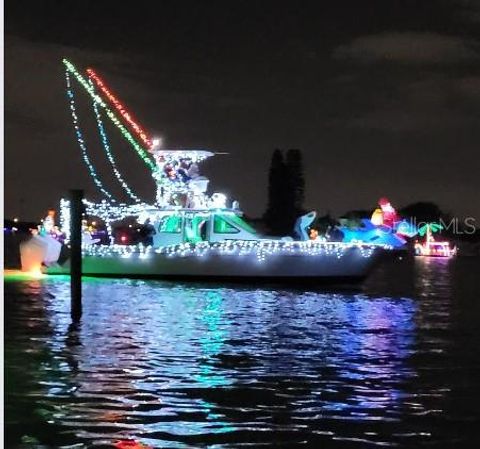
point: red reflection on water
(130, 444)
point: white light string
(81, 140)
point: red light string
(141, 133)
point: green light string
(106, 147)
(81, 141)
(96, 98)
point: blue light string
(106, 147)
(81, 141)
(144, 155)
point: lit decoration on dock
(141, 133)
(81, 140)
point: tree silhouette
(423, 211)
(286, 187)
(296, 179)
(276, 193)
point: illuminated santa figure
(390, 216)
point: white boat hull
(352, 266)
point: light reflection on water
(182, 365)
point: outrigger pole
(141, 133)
(110, 114)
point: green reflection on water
(26, 276)
(212, 340)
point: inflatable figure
(390, 216)
(302, 223)
(377, 217)
(49, 222)
(369, 233)
(405, 228)
(39, 250)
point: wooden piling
(76, 210)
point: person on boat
(313, 234)
(183, 170)
(149, 231)
(193, 171)
(170, 172)
(160, 158)
(334, 234)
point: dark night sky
(383, 97)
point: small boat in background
(431, 247)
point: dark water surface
(395, 364)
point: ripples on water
(182, 365)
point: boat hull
(292, 268)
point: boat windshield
(221, 226)
(171, 224)
(241, 223)
(196, 229)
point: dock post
(76, 210)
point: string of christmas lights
(65, 218)
(105, 211)
(264, 248)
(120, 108)
(81, 141)
(106, 147)
(111, 115)
(260, 249)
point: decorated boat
(191, 234)
(431, 247)
(385, 226)
(187, 232)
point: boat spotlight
(157, 143)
